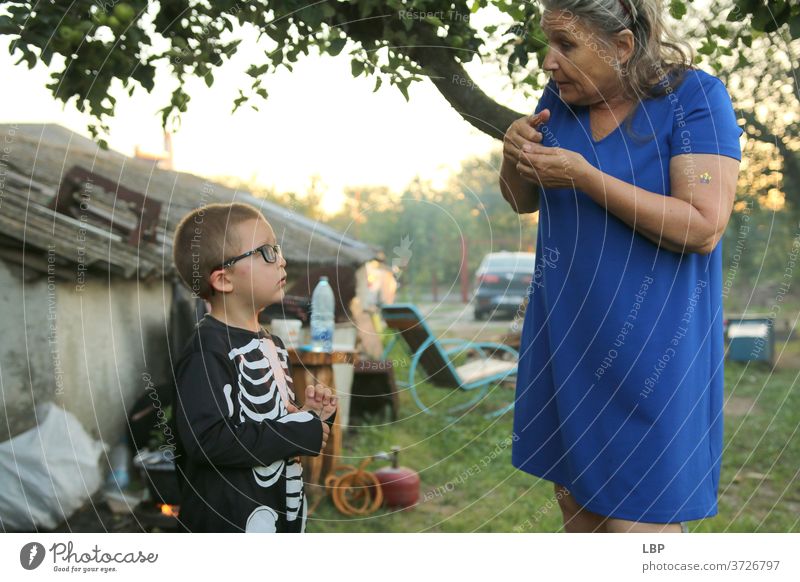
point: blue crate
(751, 339)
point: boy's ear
(220, 282)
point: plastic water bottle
(322, 311)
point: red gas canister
(400, 485)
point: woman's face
(583, 64)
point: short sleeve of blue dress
(620, 380)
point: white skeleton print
(259, 398)
(238, 443)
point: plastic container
(288, 330)
(751, 339)
(119, 459)
(322, 317)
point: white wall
(26, 370)
(109, 344)
(112, 345)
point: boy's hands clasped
(320, 400)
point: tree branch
(438, 62)
(463, 94)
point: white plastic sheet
(47, 472)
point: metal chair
(435, 357)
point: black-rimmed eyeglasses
(270, 254)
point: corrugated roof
(37, 157)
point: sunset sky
(318, 120)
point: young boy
(239, 431)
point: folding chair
(435, 356)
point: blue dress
(620, 384)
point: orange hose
(356, 491)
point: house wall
(26, 364)
(113, 347)
(92, 349)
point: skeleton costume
(237, 445)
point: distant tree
(308, 204)
(423, 229)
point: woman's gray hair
(657, 53)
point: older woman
(632, 160)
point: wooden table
(311, 368)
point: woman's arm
(518, 187)
(522, 195)
(692, 219)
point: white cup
(288, 330)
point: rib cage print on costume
(237, 445)
(259, 399)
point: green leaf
(209, 79)
(356, 67)
(276, 33)
(328, 11)
(378, 82)
(434, 20)
(256, 71)
(763, 20)
(238, 101)
(27, 56)
(312, 16)
(794, 27)
(8, 26)
(403, 86)
(721, 31)
(677, 9)
(707, 48)
(743, 60)
(145, 75)
(336, 46)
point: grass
(468, 483)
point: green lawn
(468, 483)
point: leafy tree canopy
(105, 42)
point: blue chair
(435, 357)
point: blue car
(502, 284)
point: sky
(317, 121)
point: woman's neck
(612, 102)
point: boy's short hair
(205, 238)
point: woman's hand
(552, 167)
(523, 131)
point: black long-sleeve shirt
(237, 445)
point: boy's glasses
(269, 252)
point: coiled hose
(354, 491)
